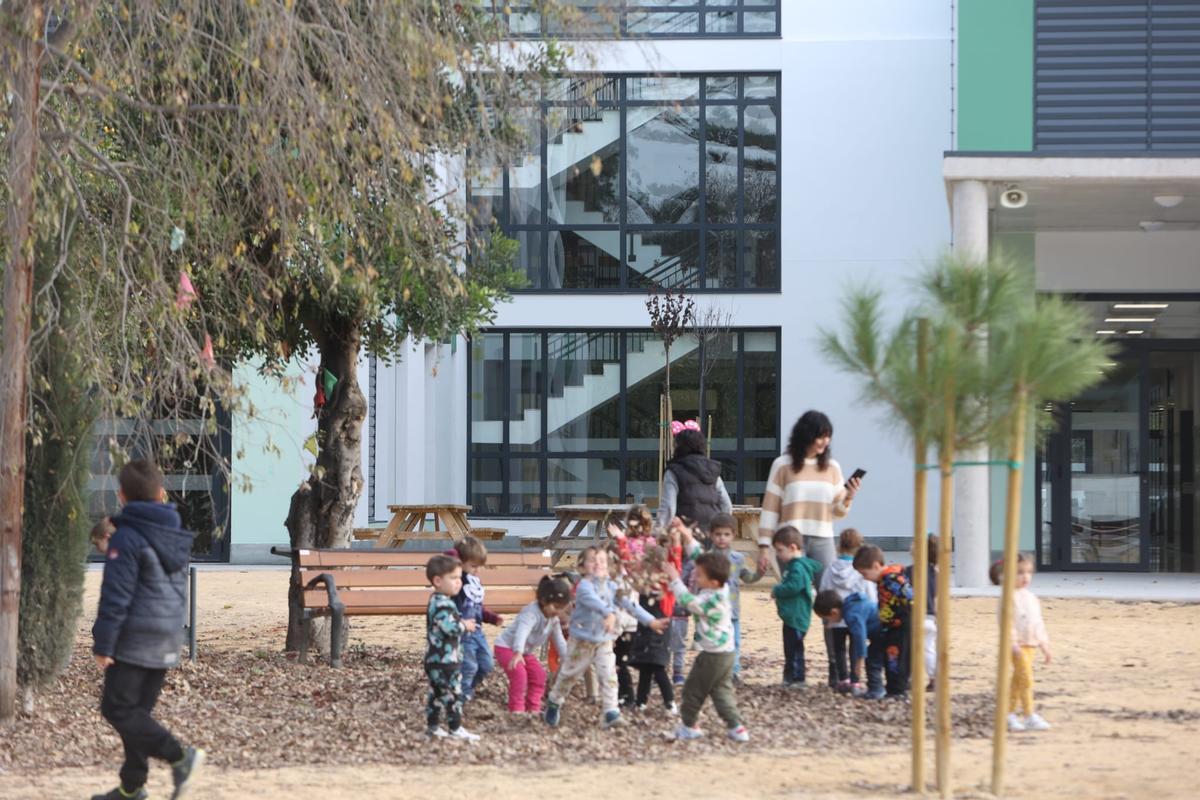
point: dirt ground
(1123, 694)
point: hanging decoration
(185, 295)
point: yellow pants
(1022, 681)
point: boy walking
(444, 630)
(712, 671)
(139, 628)
(477, 660)
(721, 531)
(793, 601)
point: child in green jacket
(793, 600)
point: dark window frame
(742, 229)
(740, 455)
(622, 10)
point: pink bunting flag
(206, 353)
(186, 294)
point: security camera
(1012, 197)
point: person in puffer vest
(139, 628)
(692, 485)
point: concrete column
(972, 512)
(408, 443)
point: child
(841, 577)
(650, 652)
(476, 655)
(678, 640)
(1028, 634)
(930, 606)
(859, 617)
(895, 606)
(444, 628)
(139, 628)
(627, 627)
(518, 644)
(102, 531)
(721, 531)
(712, 671)
(593, 629)
(793, 601)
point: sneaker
(641, 707)
(436, 733)
(737, 679)
(843, 687)
(739, 734)
(673, 710)
(120, 794)
(796, 686)
(677, 680)
(183, 772)
(1034, 722)
(878, 693)
(685, 734)
(858, 689)
(462, 733)
(553, 714)
(612, 719)
(1015, 724)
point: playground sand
(1123, 694)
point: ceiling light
(1149, 225)
(1139, 306)
(1130, 319)
(1106, 333)
(1168, 200)
(1134, 333)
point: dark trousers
(793, 655)
(622, 647)
(840, 655)
(445, 692)
(656, 674)
(129, 696)
(887, 660)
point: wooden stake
(916, 656)
(663, 429)
(945, 551)
(1012, 530)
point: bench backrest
(390, 582)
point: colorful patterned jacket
(895, 597)
(444, 631)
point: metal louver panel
(1117, 76)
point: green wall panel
(995, 75)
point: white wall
(1118, 261)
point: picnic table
(449, 522)
(570, 533)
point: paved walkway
(1130, 586)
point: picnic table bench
(340, 583)
(408, 523)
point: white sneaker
(673, 709)
(1035, 723)
(437, 733)
(464, 734)
(1015, 724)
(739, 734)
(686, 734)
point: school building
(762, 156)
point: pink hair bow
(678, 427)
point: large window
(636, 181)
(561, 417)
(679, 19)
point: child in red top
(895, 608)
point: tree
(712, 327)
(670, 315)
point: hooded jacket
(843, 578)
(861, 615)
(143, 596)
(793, 594)
(595, 599)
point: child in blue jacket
(860, 613)
(139, 628)
(477, 662)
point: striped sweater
(809, 500)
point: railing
(582, 101)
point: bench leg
(305, 636)
(335, 637)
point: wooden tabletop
(430, 507)
(592, 508)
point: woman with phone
(806, 490)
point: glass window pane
(761, 180)
(525, 173)
(583, 155)
(761, 86)
(645, 369)
(720, 87)
(584, 404)
(583, 480)
(658, 88)
(529, 256)
(721, 164)
(525, 391)
(758, 22)
(670, 259)
(760, 408)
(663, 164)
(525, 486)
(485, 195)
(755, 472)
(720, 378)
(524, 22)
(721, 254)
(593, 19)
(589, 259)
(487, 391)
(487, 486)
(663, 23)
(762, 259)
(721, 22)
(641, 481)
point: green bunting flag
(330, 380)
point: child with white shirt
(517, 645)
(1028, 636)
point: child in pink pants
(517, 645)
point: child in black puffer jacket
(139, 628)
(650, 652)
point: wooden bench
(341, 583)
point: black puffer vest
(697, 477)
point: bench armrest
(337, 611)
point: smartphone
(858, 473)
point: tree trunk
(945, 550)
(1012, 533)
(322, 509)
(24, 19)
(920, 577)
